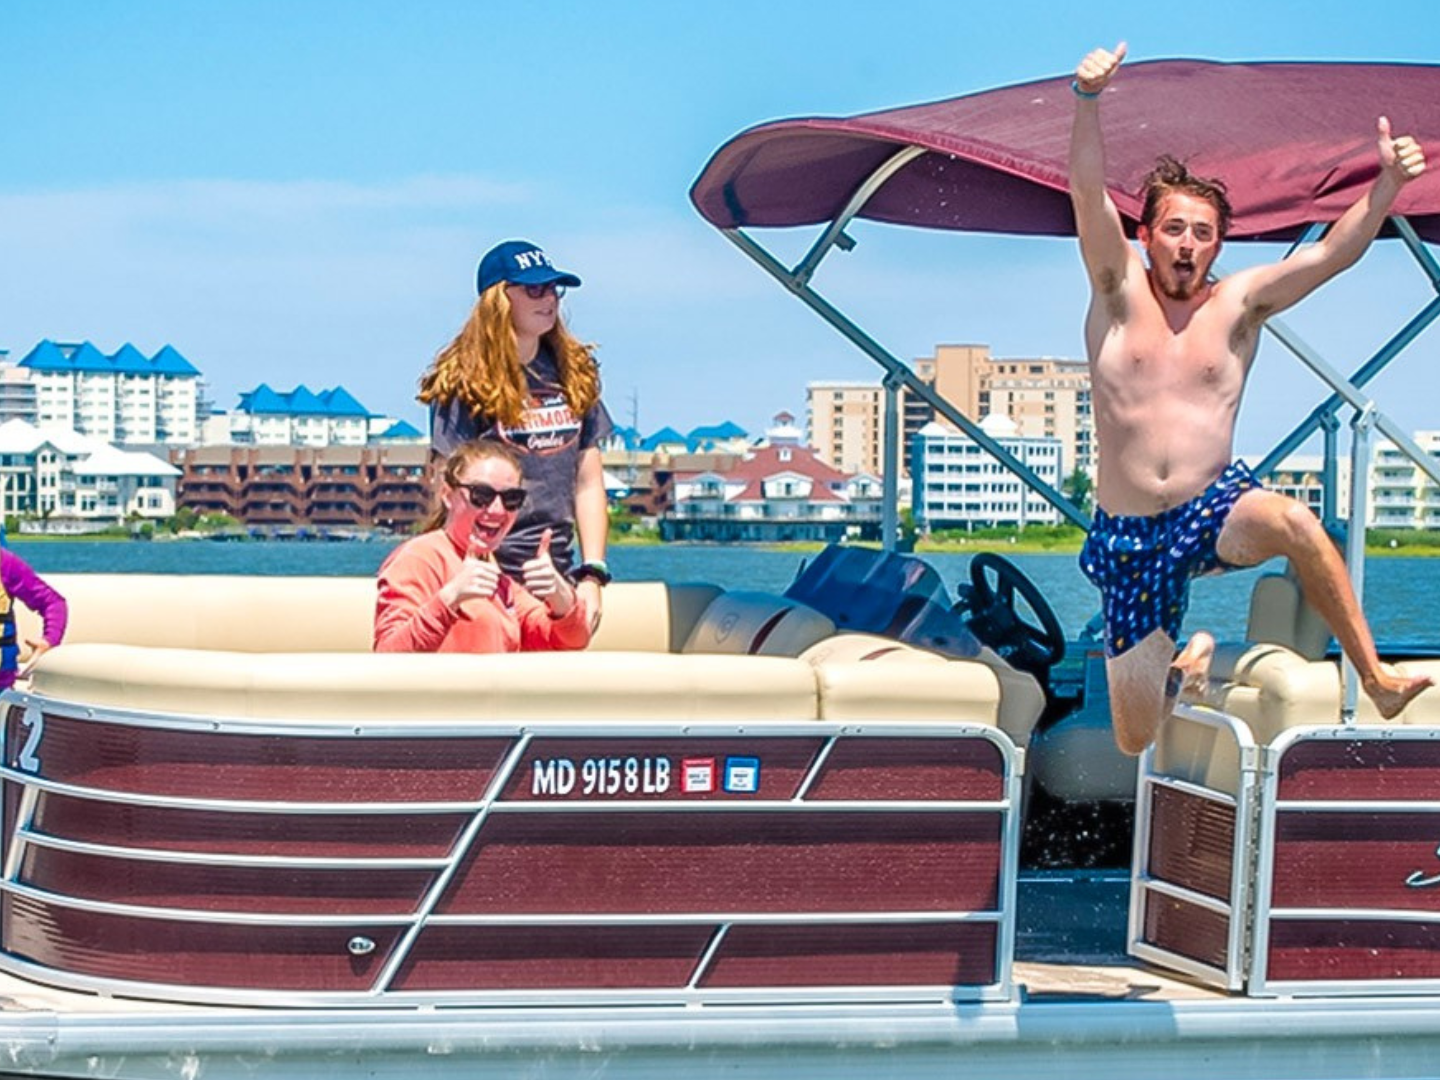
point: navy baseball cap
(519, 262)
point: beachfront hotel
(303, 417)
(1046, 398)
(124, 397)
(958, 484)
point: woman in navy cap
(515, 373)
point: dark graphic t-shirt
(550, 439)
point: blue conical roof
(339, 402)
(168, 361)
(46, 356)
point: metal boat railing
(384, 931)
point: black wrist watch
(595, 570)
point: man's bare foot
(1189, 674)
(1391, 691)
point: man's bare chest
(1149, 354)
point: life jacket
(9, 640)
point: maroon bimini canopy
(1295, 143)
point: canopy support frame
(1347, 391)
(797, 281)
(897, 374)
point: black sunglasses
(537, 292)
(482, 495)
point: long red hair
(481, 367)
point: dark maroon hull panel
(177, 953)
(554, 957)
(1313, 949)
(415, 836)
(1186, 929)
(1337, 860)
(1361, 769)
(546, 864)
(203, 764)
(1192, 842)
(912, 769)
(947, 954)
(295, 891)
(1365, 862)
(667, 957)
(634, 831)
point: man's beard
(1177, 288)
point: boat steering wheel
(1031, 644)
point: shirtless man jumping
(1169, 353)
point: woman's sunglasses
(539, 292)
(482, 495)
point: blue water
(1398, 591)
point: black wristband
(594, 570)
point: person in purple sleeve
(514, 373)
(19, 582)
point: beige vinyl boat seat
(1280, 678)
(299, 647)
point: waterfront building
(17, 391)
(123, 397)
(845, 424)
(1300, 476)
(58, 480)
(960, 485)
(384, 429)
(380, 486)
(1401, 495)
(639, 470)
(622, 458)
(726, 437)
(779, 490)
(665, 442)
(1043, 397)
(302, 417)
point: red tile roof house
(778, 492)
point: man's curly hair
(1171, 175)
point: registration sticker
(742, 775)
(697, 775)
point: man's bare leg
(1264, 524)
(1137, 681)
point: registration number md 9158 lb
(611, 777)
(601, 776)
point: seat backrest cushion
(237, 612)
(259, 613)
(859, 680)
(843, 648)
(1280, 615)
(757, 624)
(957, 692)
(649, 616)
(616, 688)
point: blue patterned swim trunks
(1143, 565)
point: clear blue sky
(298, 191)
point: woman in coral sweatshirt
(442, 591)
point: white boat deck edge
(1084, 1022)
